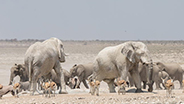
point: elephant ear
(60, 48)
(80, 71)
(128, 51)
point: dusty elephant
(156, 76)
(116, 61)
(82, 71)
(41, 58)
(18, 69)
(174, 70)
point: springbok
(168, 83)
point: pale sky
(92, 19)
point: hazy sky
(92, 19)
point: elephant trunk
(11, 79)
(149, 73)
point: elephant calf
(82, 71)
(6, 89)
(18, 70)
(156, 76)
(174, 70)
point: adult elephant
(117, 61)
(82, 71)
(174, 70)
(41, 58)
(18, 69)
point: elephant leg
(137, 80)
(35, 76)
(150, 89)
(181, 87)
(158, 87)
(180, 81)
(111, 86)
(59, 72)
(131, 81)
(85, 84)
(144, 84)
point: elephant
(41, 57)
(116, 61)
(82, 71)
(174, 70)
(18, 69)
(156, 76)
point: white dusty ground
(85, 52)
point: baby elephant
(5, 89)
(168, 83)
(121, 86)
(94, 87)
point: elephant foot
(158, 89)
(63, 92)
(150, 89)
(113, 91)
(144, 87)
(138, 91)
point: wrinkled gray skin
(82, 71)
(117, 61)
(174, 70)
(5, 90)
(24, 86)
(18, 69)
(156, 76)
(41, 58)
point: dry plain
(12, 51)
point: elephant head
(161, 66)
(75, 71)
(136, 52)
(18, 69)
(60, 49)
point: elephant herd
(129, 61)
